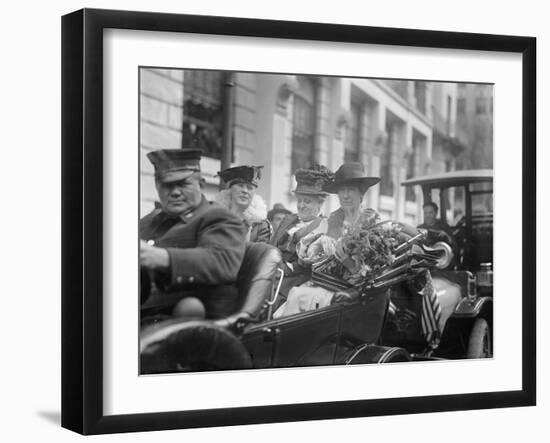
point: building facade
(397, 128)
(475, 125)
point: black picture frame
(82, 220)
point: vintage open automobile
(342, 333)
(382, 323)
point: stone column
(364, 134)
(394, 159)
(429, 146)
(336, 155)
(429, 100)
(340, 134)
(380, 143)
(411, 98)
(400, 200)
(402, 166)
(322, 120)
(281, 152)
(419, 145)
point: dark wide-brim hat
(175, 164)
(351, 174)
(241, 174)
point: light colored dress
(306, 297)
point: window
(203, 105)
(303, 125)
(458, 206)
(352, 148)
(449, 114)
(420, 96)
(410, 194)
(461, 106)
(482, 198)
(481, 105)
(440, 196)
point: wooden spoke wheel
(480, 343)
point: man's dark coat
(206, 248)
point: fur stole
(256, 211)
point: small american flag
(431, 311)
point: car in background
(465, 284)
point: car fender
(459, 326)
(474, 307)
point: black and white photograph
(298, 220)
(275, 221)
(287, 221)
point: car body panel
(403, 326)
(471, 307)
(321, 337)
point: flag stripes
(431, 312)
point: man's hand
(152, 257)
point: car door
(361, 322)
(304, 339)
(322, 336)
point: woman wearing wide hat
(240, 197)
(307, 221)
(350, 184)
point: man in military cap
(192, 248)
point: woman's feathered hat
(312, 181)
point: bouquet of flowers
(314, 248)
(361, 254)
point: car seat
(254, 282)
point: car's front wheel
(175, 346)
(480, 344)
